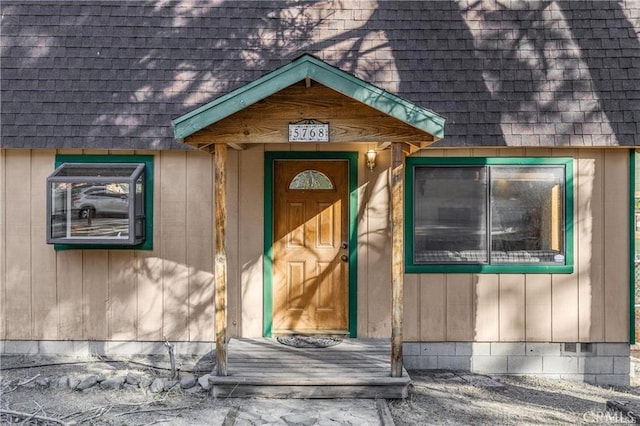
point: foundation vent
(586, 348)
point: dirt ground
(445, 398)
(22, 391)
(436, 397)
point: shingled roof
(112, 75)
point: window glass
(474, 213)
(86, 211)
(99, 203)
(311, 179)
(527, 214)
(449, 214)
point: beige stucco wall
(168, 292)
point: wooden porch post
(397, 268)
(221, 259)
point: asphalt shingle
(109, 74)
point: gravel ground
(436, 397)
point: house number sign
(309, 132)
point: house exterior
(493, 231)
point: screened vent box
(96, 203)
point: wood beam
(207, 146)
(383, 145)
(220, 326)
(397, 269)
(410, 149)
(237, 146)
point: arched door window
(310, 180)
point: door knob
(344, 258)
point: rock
(60, 382)
(481, 381)
(194, 389)
(170, 384)
(130, 388)
(87, 382)
(157, 385)
(203, 381)
(73, 383)
(145, 382)
(132, 379)
(303, 419)
(188, 381)
(43, 382)
(112, 383)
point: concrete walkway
(307, 412)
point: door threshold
(315, 333)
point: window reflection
(495, 214)
(527, 214)
(97, 204)
(94, 210)
(450, 214)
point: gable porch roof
(309, 67)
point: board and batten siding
(108, 294)
(168, 292)
(589, 305)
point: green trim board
(633, 182)
(148, 197)
(308, 66)
(269, 160)
(412, 267)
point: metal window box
(96, 203)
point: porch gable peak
(309, 67)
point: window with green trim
(100, 202)
(489, 215)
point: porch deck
(355, 368)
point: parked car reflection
(99, 200)
(95, 211)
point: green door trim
(352, 166)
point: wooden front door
(310, 247)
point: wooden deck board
(353, 369)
